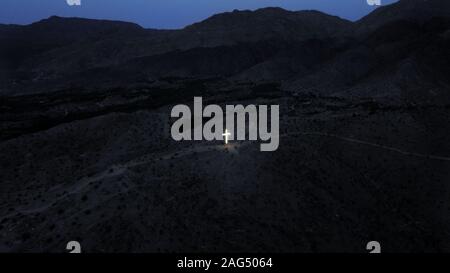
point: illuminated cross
(226, 135)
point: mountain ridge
(291, 47)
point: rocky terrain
(86, 152)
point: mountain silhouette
(86, 152)
(415, 10)
(306, 50)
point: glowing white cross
(226, 135)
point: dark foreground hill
(86, 152)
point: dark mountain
(44, 49)
(265, 24)
(403, 60)
(415, 10)
(86, 152)
(399, 52)
(23, 42)
(70, 45)
(305, 50)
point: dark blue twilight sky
(166, 13)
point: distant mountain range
(403, 46)
(86, 151)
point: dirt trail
(358, 141)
